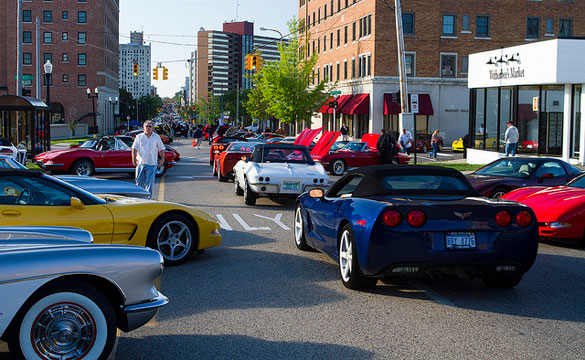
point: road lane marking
(246, 226)
(276, 220)
(222, 223)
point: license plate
(290, 185)
(460, 240)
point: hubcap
(63, 331)
(174, 240)
(83, 169)
(345, 256)
(338, 168)
(298, 226)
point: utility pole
(38, 55)
(19, 47)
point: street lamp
(268, 29)
(48, 71)
(48, 67)
(113, 103)
(93, 97)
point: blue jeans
(510, 149)
(145, 175)
(435, 149)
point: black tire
(299, 230)
(349, 270)
(210, 162)
(507, 280)
(161, 169)
(220, 177)
(171, 232)
(82, 167)
(337, 167)
(249, 195)
(237, 189)
(72, 304)
(499, 192)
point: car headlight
(49, 162)
(215, 231)
(559, 224)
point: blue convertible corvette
(380, 221)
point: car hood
(290, 170)
(480, 180)
(306, 136)
(102, 186)
(549, 202)
(54, 153)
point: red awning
(341, 101)
(325, 108)
(425, 106)
(359, 104)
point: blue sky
(183, 18)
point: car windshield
(241, 147)
(353, 146)
(392, 184)
(517, 168)
(578, 182)
(5, 142)
(284, 155)
(6, 163)
(338, 145)
(89, 144)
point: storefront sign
(510, 73)
(535, 103)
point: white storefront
(538, 86)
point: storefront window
(527, 118)
(506, 96)
(551, 124)
(362, 124)
(488, 135)
(422, 124)
(479, 117)
(576, 122)
(390, 123)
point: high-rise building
(136, 52)
(357, 50)
(80, 38)
(220, 57)
(193, 78)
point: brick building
(80, 38)
(357, 48)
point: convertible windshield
(282, 155)
(353, 146)
(578, 182)
(89, 144)
(517, 168)
(241, 147)
(415, 183)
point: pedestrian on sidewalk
(435, 144)
(344, 131)
(511, 137)
(148, 151)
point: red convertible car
(560, 210)
(221, 143)
(223, 166)
(354, 154)
(106, 154)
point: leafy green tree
(148, 107)
(127, 105)
(229, 103)
(209, 110)
(282, 87)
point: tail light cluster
(504, 218)
(414, 218)
(318, 181)
(261, 178)
(218, 148)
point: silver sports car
(63, 297)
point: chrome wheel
(298, 226)
(83, 168)
(338, 167)
(345, 256)
(174, 240)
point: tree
(127, 105)
(230, 100)
(282, 87)
(148, 107)
(209, 110)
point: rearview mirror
(317, 193)
(545, 176)
(77, 204)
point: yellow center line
(161, 189)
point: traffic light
(135, 70)
(254, 65)
(248, 62)
(155, 73)
(165, 73)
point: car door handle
(11, 213)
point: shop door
(551, 133)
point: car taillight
(503, 218)
(321, 180)
(523, 218)
(214, 147)
(261, 178)
(315, 181)
(267, 179)
(416, 218)
(391, 218)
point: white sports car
(277, 170)
(8, 149)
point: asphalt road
(257, 297)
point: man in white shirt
(147, 151)
(512, 136)
(405, 141)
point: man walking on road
(147, 152)
(511, 137)
(405, 141)
(386, 146)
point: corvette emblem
(462, 216)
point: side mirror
(317, 193)
(545, 176)
(77, 204)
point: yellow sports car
(30, 197)
(457, 145)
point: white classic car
(63, 297)
(277, 170)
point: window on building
(409, 62)
(318, 46)
(64, 36)
(361, 27)
(331, 8)
(449, 22)
(369, 24)
(344, 69)
(565, 27)
(82, 38)
(549, 25)
(324, 43)
(319, 16)
(81, 0)
(325, 12)
(26, 16)
(47, 37)
(482, 26)
(353, 31)
(448, 65)
(313, 18)
(465, 23)
(65, 57)
(464, 64)
(331, 41)
(47, 57)
(81, 59)
(27, 58)
(47, 16)
(82, 80)
(318, 76)
(338, 5)
(65, 15)
(82, 17)
(346, 3)
(338, 37)
(345, 35)
(532, 27)
(27, 37)
(338, 71)
(353, 68)
(408, 23)
(65, 78)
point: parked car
(220, 144)
(8, 149)
(398, 220)
(224, 163)
(29, 197)
(106, 154)
(560, 210)
(277, 170)
(506, 174)
(423, 142)
(64, 297)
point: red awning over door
(359, 104)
